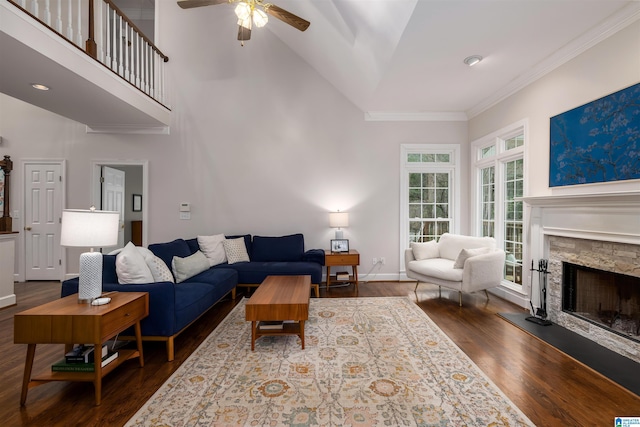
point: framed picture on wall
(339, 245)
(137, 202)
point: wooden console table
(64, 321)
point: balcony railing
(100, 29)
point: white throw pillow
(131, 266)
(425, 250)
(468, 253)
(185, 268)
(159, 270)
(213, 249)
(236, 250)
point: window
(500, 182)
(429, 184)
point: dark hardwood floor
(549, 387)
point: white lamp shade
(260, 18)
(338, 219)
(89, 228)
(243, 11)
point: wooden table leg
(328, 276)
(355, 276)
(253, 334)
(97, 369)
(301, 322)
(139, 343)
(28, 366)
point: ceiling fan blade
(244, 33)
(188, 4)
(287, 17)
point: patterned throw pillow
(159, 270)
(236, 250)
(468, 253)
(185, 268)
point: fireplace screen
(607, 299)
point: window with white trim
(499, 168)
(429, 183)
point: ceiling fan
(251, 12)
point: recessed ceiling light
(472, 60)
(39, 86)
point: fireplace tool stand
(540, 314)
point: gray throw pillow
(185, 268)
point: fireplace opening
(606, 299)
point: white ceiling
(407, 55)
(399, 58)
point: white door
(113, 197)
(42, 215)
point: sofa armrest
(408, 257)
(314, 255)
(483, 271)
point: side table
(347, 259)
(64, 321)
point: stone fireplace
(595, 259)
(594, 237)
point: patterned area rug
(367, 362)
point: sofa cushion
(440, 268)
(213, 249)
(255, 272)
(284, 248)
(425, 250)
(450, 245)
(166, 251)
(468, 253)
(184, 268)
(235, 250)
(131, 266)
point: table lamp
(338, 220)
(89, 229)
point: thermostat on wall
(185, 207)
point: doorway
(133, 177)
(43, 199)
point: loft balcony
(100, 69)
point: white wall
(259, 144)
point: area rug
(366, 362)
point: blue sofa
(173, 307)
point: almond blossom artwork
(598, 141)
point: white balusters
(119, 45)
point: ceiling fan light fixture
(472, 60)
(243, 11)
(246, 23)
(260, 18)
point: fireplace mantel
(619, 198)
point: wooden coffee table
(279, 298)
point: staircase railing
(100, 29)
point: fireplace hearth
(607, 299)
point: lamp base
(339, 234)
(90, 286)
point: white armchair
(463, 263)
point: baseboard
(511, 296)
(8, 300)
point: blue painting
(598, 141)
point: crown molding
(128, 130)
(616, 22)
(408, 116)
